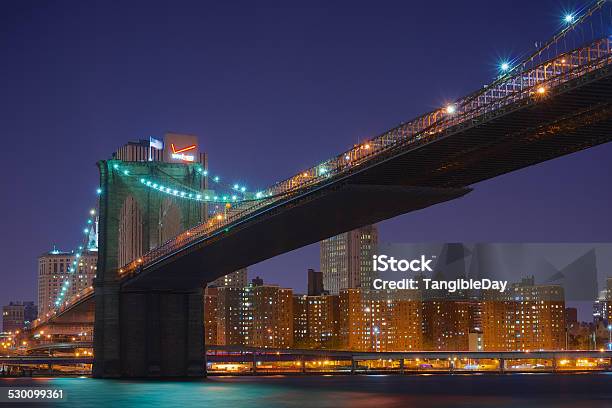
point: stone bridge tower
(140, 333)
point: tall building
(525, 317)
(232, 318)
(237, 279)
(210, 300)
(447, 323)
(13, 316)
(57, 267)
(30, 313)
(601, 306)
(272, 309)
(380, 321)
(174, 148)
(315, 283)
(316, 321)
(141, 150)
(571, 316)
(353, 323)
(346, 259)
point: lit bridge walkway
(239, 360)
(250, 360)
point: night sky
(270, 88)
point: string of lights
(238, 192)
(89, 244)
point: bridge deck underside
(568, 119)
(316, 216)
(81, 312)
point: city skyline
(385, 103)
(552, 258)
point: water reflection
(588, 390)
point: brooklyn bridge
(147, 311)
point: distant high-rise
(56, 267)
(231, 316)
(525, 317)
(211, 300)
(237, 279)
(447, 323)
(17, 315)
(30, 313)
(141, 150)
(13, 316)
(346, 259)
(315, 283)
(272, 309)
(257, 315)
(163, 150)
(380, 321)
(571, 316)
(316, 321)
(257, 281)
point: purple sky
(270, 88)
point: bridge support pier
(148, 334)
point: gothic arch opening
(169, 220)
(130, 231)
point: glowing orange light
(184, 149)
(541, 90)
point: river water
(430, 391)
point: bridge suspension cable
(90, 243)
(571, 22)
